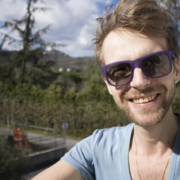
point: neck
(157, 139)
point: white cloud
(10, 9)
(73, 22)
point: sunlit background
(73, 22)
(52, 98)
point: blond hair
(144, 16)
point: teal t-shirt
(104, 155)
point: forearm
(59, 171)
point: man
(137, 49)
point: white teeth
(143, 100)
(146, 99)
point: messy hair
(144, 16)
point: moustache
(140, 92)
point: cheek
(117, 92)
(167, 81)
(110, 89)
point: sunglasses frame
(137, 63)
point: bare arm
(59, 171)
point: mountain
(63, 62)
(59, 60)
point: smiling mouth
(144, 100)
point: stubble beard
(157, 114)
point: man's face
(145, 100)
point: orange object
(20, 139)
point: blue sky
(102, 6)
(73, 22)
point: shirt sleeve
(81, 157)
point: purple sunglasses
(154, 65)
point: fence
(46, 142)
(32, 142)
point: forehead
(126, 45)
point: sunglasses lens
(153, 66)
(119, 74)
(156, 65)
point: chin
(148, 115)
(146, 124)
(147, 118)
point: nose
(139, 80)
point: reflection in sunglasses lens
(156, 65)
(153, 66)
(119, 73)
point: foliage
(173, 6)
(47, 98)
(32, 48)
(12, 163)
(85, 108)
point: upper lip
(142, 96)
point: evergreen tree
(173, 6)
(32, 43)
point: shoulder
(100, 133)
(111, 135)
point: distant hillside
(62, 61)
(6, 53)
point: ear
(176, 70)
(108, 86)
